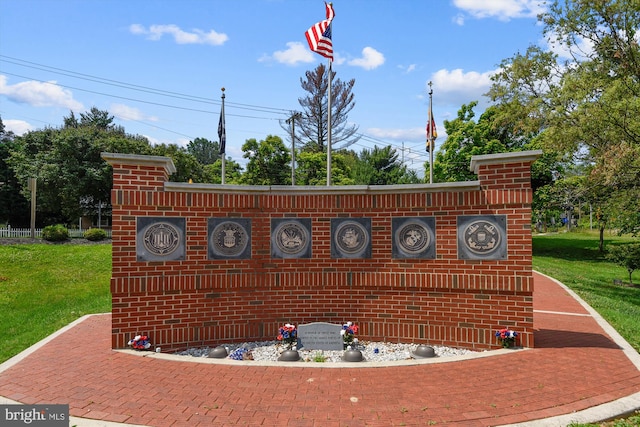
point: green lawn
(45, 287)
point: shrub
(55, 233)
(627, 256)
(95, 234)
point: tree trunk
(601, 243)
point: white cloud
(411, 134)
(370, 59)
(461, 87)
(155, 32)
(407, 68)
(18, 127)
(39, 94)
(503, 10)
(295, 53)
(124, 112)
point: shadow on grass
(547, 338)
(570, 249)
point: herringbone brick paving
(575, 365)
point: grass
(45, 287)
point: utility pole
(292, 121)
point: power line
(139, 88)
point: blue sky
(158, 66)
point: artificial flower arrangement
(288, 334)
(348, 333)
(140, 342)
(506, 337)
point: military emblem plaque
(291, 237)
(160, 239)
(229, 238)
(482, 237)
(413, 237)
(351, 237)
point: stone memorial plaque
(413, 237)
(291, 237)
(160, 238)
(229, 238)
(350, 237)
(482, 237)
(320, 336)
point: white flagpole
(329, 128)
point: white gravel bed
(372, 352)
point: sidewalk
(581, 370)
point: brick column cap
(140, 160)
(502, 158)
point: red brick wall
(199, 301)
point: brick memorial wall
(439, 264)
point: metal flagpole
(329, 128)
(222, 134)
(431, 139)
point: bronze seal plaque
(482, 237)
(229, 238)
(413, 237)
(351, 237)
(160, 239)
(291, 237)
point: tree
(627, 256)
(312, 128)
(312, 169)
(268, 162)
(72, 177)
(588, 105)
(465, 138)
(187, 166)
(205, 151)
(14, 207)
(213, 172)
(380, 166)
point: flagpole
(224, 135)
(329, 128)
(431, 144)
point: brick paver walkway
(574, 366)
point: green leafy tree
(586, 106)
(312, 169)
(627, 256)
(205, 151)
(268, 162)
(380, 166)
(465, 138)
(14, 206)
(187, 166)
(213, 172)
(72, 177)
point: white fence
(26, 232)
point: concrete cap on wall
(502, 158)
(140, 160)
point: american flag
(319, 35)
